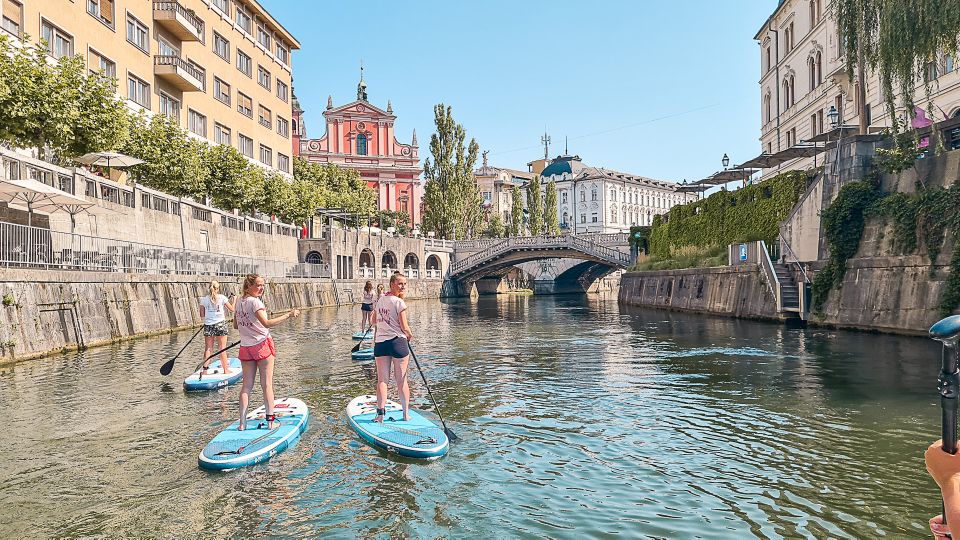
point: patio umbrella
(35, 196)
(109, 159)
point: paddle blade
(356, 347)
(168, 367)
(450, 435)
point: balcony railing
(178, 72)
(182, 22)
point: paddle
(204, 361)
(357, 346)
(450, 434)
(168, 367)
(947, 331)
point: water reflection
(577, 417)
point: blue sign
(743, 252)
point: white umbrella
(36, 196)
(109, 159)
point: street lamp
(834, 116)
(725, 161)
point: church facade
(360, 136)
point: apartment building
(803, 79)
(220, 68)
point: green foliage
(640, 235)
(390, 218)
(535, 205)
(59, 106)
(516, 212)
(684, 257)
(229, 183)
(843, 223)
(901, 157)
(338, 188)
(751, 213)
(550, 209)
(496, 228)
(8, 299)
(452, 201)
(174, 163)
(896, 38)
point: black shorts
(396, 348)
(215, 329)
(366, 307)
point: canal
(577, 418)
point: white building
(598, 200)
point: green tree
(174, 163)
(337, 187)
(228, 182)
(277, 196)
(496, 229)
(306, 200)
(396, 219)
(535, 205)
(516, 213)
(451, 197)
(550, 209)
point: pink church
(360, 136)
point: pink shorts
(258, 352)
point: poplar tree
(496, 226)
(452, 201)
(535, 206)
(550, 210)
(516, 213)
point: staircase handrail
(772, 280)
(796, 260)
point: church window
(361, 145)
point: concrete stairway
(789, 291)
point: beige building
(803, 76)
(220, 68)
(496, 187)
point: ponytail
(214, 289)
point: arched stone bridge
(486, 267)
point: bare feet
(242, 426)
(379, 417)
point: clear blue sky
(660, 89)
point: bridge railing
(616, 239)
(469, 261)
(560, 241)
(603, 251)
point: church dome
(563, 164)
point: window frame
(91, 52)
(269, 154)
(241, 139)
(283, 162)
(132, 19)
(285, 97)
(109, 22)
(55, 32)
(223, 9)
(19, 23)
(266, 82)
(217, 37)
(249, 63)
(218, 85)
(246, 111)
(191, 115)
(178, 106)
(285, 125)
(219, 130)
(144, 84)
(265, 120)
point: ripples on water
(577, 418)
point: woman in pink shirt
(391, 337)
(257, 352)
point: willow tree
(516, 212)
(452, 201)
(550, 209)
(535, 205)
(897, 39)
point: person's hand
(409, 337)
(295, 313)
(943, 467)
(231, 295)
(939, 529)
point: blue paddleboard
(214, 378)
(232, 449)
(361, 335)
(415, 438)
(362, 354)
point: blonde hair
(249, 282)
(379, 289)
(214, 289)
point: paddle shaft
(166, 368)
(446, 430)
(204, 361)
(949, 386)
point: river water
(576, 417)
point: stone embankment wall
(732, 291)
(43, 312)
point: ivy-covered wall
(726, 217)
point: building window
(263, 77)
(283, 162)
(200, 74)
(283, 54)
(101, 65)
(563, 197)
(12, 17)
(170, 107)
(766, 108)
(769, 64)
(221, 46)
(263, 37)
(613, 215)
(613, 195)
(813, 125)
(223, 5)
(593, 194)
(583, 218)
(583, 196)
(282, 90)
(244, 105)
(246, 145)
(244, 21)
(102, 10)
(138, 34)
(361, 145)
(221, 91)
(594, 218)
(244, 63)
(59, 43)
(197, 122)
(138, 91)
(266, 155)
(221, 134)
(283, 127)
(265, 117)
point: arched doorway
(314, 257)
(388, 263)
(368, 265)
(411, 265)
(433, 267)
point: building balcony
(180, 21)
(178, 72)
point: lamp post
(725, 161)
(833, 115)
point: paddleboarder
(213, 312)
(257, 352)
(391, 338)
(366, 306)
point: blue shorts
(395, 348)
(366, 307)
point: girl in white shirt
(212, 311)
(391, 337)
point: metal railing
(179, 63)
(796, 261)
(187, 14)
(583, 245)
(770, 272)
(34, 247)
